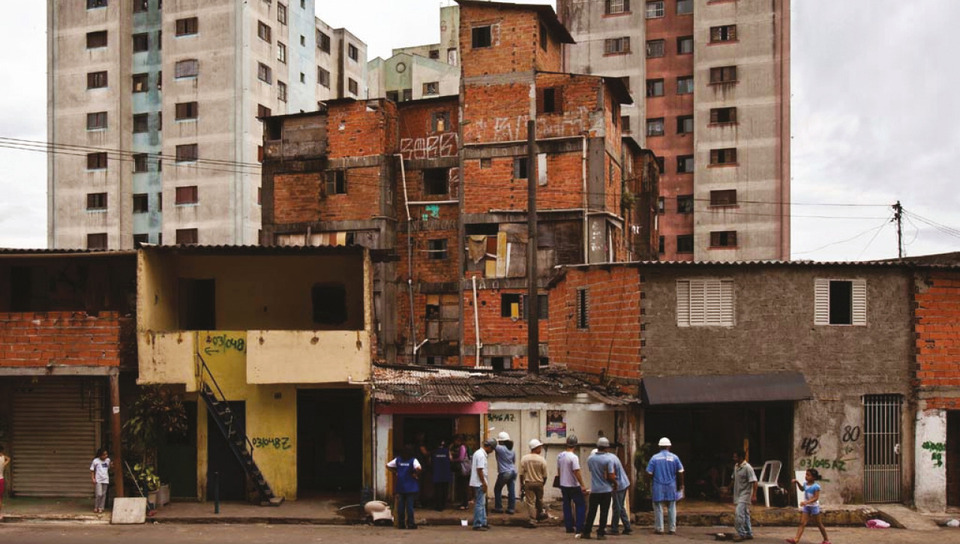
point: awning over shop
(781, 386)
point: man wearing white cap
(506, 474)
(603, 482)
(665, 469)
(533, 475)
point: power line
(886, 221)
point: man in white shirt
(478, 481)
(572, 487)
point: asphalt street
(42, 533)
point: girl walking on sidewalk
(810, 505)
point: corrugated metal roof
(256, 250)
(905, 263)
(44, 251)
(419, 385)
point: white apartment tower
(153, 111)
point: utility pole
(898, 217)
(533, 300)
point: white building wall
(930, 491)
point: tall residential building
(716, 80)
(117, 68)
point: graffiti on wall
(276, 442)
(936, 450)
(511, 129)
(500, 417)
(810, 445)
(430, 147)
(222, 343)
(821, 463)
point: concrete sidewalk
(339, 511)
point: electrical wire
(868, 231)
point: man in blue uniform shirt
(666, 470)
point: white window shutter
(683, 303)
(859, 302)
(697, 303)
(712, 296)
(726, 303)
(821, 302)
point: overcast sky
(876, 117)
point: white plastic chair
(768, 479)
(800, 477)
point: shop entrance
(953, 458)
(705, 436)
(329, 441)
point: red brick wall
(514, 40)
(937, 303)
(495, 329)
(418, 140)
(611, 344)
(61, 338)
(360, 202)
(297, 197)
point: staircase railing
(205, 370)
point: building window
(354, 88)
(187, 153)
(323, 42)
(614, 7)
(723, 156)
(655, 48)
(353, 52)
(281, 13)
(97, 161)
(550, 100)
(96, 80)
(685, 45)
(655, 10)
(140, 239)
(91, 4)
(186, 68)
(188, 237)
(661, 205)
(583, 309)
(140, 203)
(187, 110)
(705, 302)
(685, 243)
(434, 54)
(685, 164)
(721, 116)
(661, 164)
(685, 85)
(141, 123)
(141, 42)
(188, 26)
(140, 6)
(97, 241)
(329, 301)
(160, 40)
(543, 309)
(486, 163)
(625, 124)
(97, 120)
(723, 74)
(431, 88)
(840, 302)
(520, 168)
(437, 249)
(187, 195)
(263, 111)
(655, 127)
(160, 80)
(264, 73)
(685, 204)
(436, 181)
(141, 83)
(616, 46)
(323, 77)
(685, 124)
(96, 39)
(140, 163)
(725, 197)
(281, 52)
(481, 36)
(440, 121)
(336, 182)
(263, 31)
(654, 87)
(543, 37)
(726, 33)
(281, 91)
(723, 238)
(303, 77)
(684, 7)
(662, 245)
(96, 201)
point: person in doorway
(506, 475)
(533, 476)
(744, 494)
(666, 471)
(440, 461)
(407, 468)
(460, 465)
(4, 461)
(603, 481)
(572, 488)
(100, 476)
(478, 482)
(620, 514)
(810, 505)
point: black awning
(781, 386)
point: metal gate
(881, 436)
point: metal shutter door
(55, 437)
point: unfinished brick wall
(354, 130)
(514, 45)
(494, 328)
(937, 318)
(37, 339)
(422, 135)
(297, 197)
(610, 344)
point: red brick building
(440, 186)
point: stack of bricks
(937, 307)
(60, 338)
